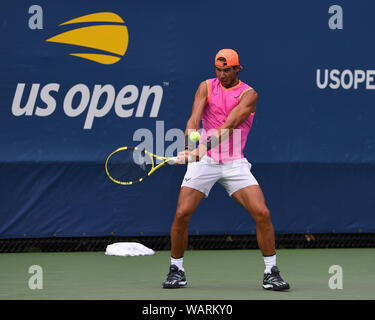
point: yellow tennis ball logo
(110, 39)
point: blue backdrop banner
(80, 79)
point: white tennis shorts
(233, 176)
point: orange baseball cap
(230, 56)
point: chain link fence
(196, 242)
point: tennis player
(226, 106)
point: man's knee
(183, 215)
(262, 215)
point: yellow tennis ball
(194, 136)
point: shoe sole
(181, 284)
(271, 287)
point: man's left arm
(240, 113)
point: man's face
(227, 75)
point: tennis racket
(129, 165)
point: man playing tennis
(226, 107)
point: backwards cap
(230, 56)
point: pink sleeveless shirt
(220, 102)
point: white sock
(178, 263)
(269, 262)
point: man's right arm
(199, 103)
(193, 124)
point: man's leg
(252, 199)
(188, 201)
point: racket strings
(129, 165)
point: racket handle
(173, 160)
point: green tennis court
(211, 275)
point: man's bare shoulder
(249, 95)
(202, 89)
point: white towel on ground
(128, 249)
